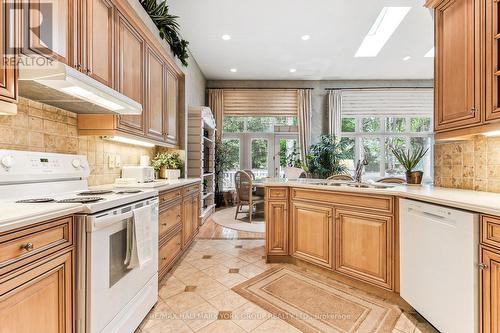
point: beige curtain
(216, 104)
(304, 113)
(334, 111)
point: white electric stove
(110, 297)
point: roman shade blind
(260, 102)
(389, 101)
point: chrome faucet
(359, 169)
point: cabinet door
(363, 246)
(490, 276)
(458, 64)
(492, 60)
(48, 29)
(312, 231)
(277, 228)
(130, 72)
(155, 99)
(99, 60)
(187, 220)
(172, 108)
(8, 74)
(39, 299)
(195, 212)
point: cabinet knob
(28, 247)
(163, 258)
(88, 71)
(483, 266)
(473, 110)
(164, 224)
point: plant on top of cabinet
(168, 26)
(169, 165)
(409, 159)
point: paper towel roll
(144, 160)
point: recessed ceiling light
(406, 58)
(233, 70)
(292, 70)
(430, 53)
(226, 37)
(382, 29)
(306, 37)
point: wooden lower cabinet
(39, 298)
(490, 278)
(187, 223)
(169, 218)
(364, 246)
(168, 252)
(312, 233)
(277, 227)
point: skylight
(382, 29)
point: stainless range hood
(62, 86)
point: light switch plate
(118, 161)
(111, 161)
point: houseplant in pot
(169, 165)
(409, 160)
(325, 158)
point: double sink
(352, 184)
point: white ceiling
(266, 39)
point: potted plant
(221, 164)
(325, 158)
(169, 165)
(409, 159)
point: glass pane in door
(232, 151)
(117, 255)
(259, 157)
(288, 155)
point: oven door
(110, 284)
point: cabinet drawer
(490, 231)
(35, 242)
(169, 218)
(169, 251)
(366, 202)
(166, 197)
(191, 189)
(280, 193)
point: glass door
(286, 153)
(260, 155)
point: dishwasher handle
(445, 219)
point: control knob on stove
(7, 161)
(76, 163)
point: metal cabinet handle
(483, 266)
(164, 224)
(473, 110)
(28, 247)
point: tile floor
(196, 295)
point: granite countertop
(475, 201)
(161, 184)
(15, 215)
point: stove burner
(81, 200)
(38, 200)
(128, 191)
(95, 192)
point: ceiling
(266, 39)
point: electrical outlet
(111, 161)
(118, 161)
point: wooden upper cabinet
(99, 46)
(8, 74)
(39, 298)
(48, 29)
(172, 108)
(312, 233)
(130, 71)
(364, 246)
(155, 95)
(492, 104)
(457, 64)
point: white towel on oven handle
(139, 238)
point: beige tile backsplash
(473, 164)
(40, 127)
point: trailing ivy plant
(168, 26)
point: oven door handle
(104, 222)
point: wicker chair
(250, 172)
(392, 180)
(244, 191)
(340, 177)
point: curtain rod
(261, 88)
(375, 88)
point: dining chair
(340, 177)
(250, 172)
(244, 191)
(393, 180)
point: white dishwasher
(439, 265)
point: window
(373, 121)
(236, 124)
